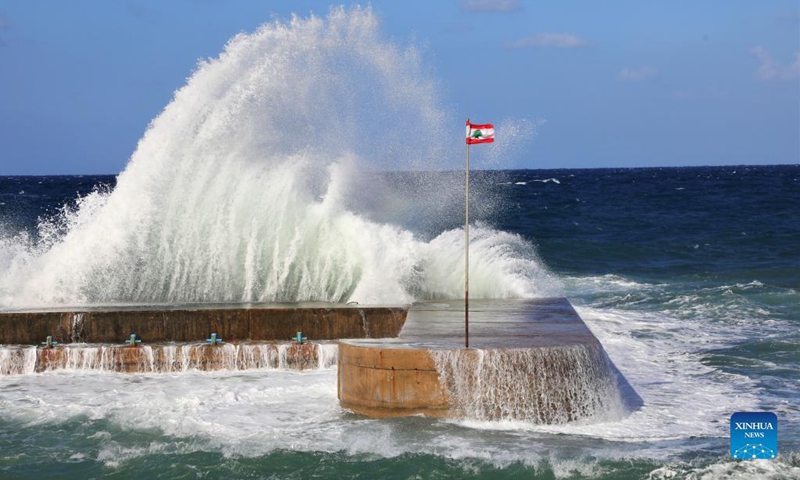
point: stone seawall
(529, 360)
(192, 325)
(545, 384)
(377, 380)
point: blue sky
(618, 84)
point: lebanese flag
(480, 133)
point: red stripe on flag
(477, 127)
(471, 141)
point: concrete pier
(274, 322)
(532, 360)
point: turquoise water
(240, 192)
(699, 318)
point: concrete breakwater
(167, 358)
(192, 324)
(531, 360)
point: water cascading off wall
(546, 385)
(250, 187)
(167, 358)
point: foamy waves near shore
(243, 189)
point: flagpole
(466, 254)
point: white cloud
(491, 5)
(553, 40)
(769, 69)
(638, 74)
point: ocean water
(240, 192)
(687, 275)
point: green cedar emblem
(477, 134)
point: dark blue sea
(689, 276)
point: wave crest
(241, 189)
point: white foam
(780, 469)
(243, 189)
(681, 396)
(255, 413)
(658, 338)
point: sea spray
(546, 385)
(246, 188)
